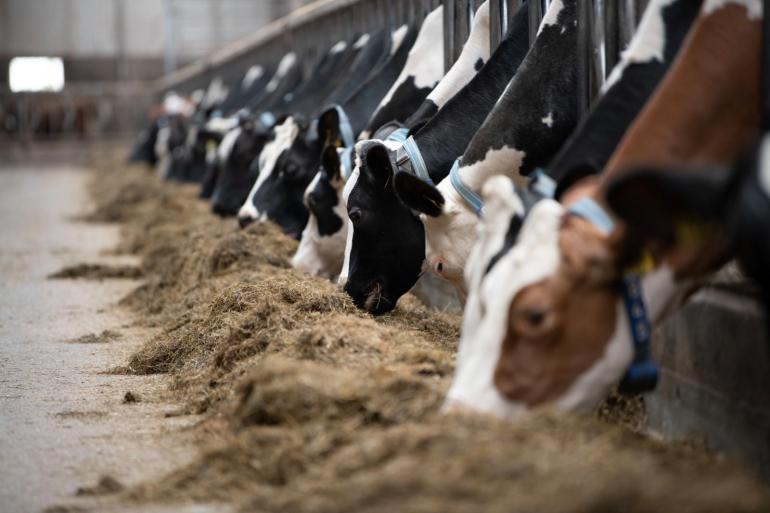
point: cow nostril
(440, 267)
(244, 221)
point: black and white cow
(321, 250)
(236, 170)
(530, 122)
(292, 160)
(372, 263)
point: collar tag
(642, 375)
(471, 198)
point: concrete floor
(63, 423)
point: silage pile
(310, 405)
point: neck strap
(469, 196)
(642, 374)
(346, 129)
(591, 211)
(398, 135)
(409, 159)
(347, 164)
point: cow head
(286, 166)
(545, 321)
(322, 247)
(238, 172)
(385, 245)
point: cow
(296, 162)
(237, 175)
(565, 298)
(396, 253)
(322, 246)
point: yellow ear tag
(645, 264)
(211, 145)
(692, 233)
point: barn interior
(158, 353)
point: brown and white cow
(546, 322)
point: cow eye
(355, 214)
(535, 318)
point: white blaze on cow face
(451, 236)
(285, 134)
(323, 255)
(424, 64)
(535, 257)
(287, 62)
(486, 321)
(348, 189)
(463, 70)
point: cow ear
(419, 195)
(376, 162)
(329, 126)
(330, 160)
(656, 204)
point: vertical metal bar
(765, 70)
(449, 33)
(462, 18)
(169, 46)
(598, 47)
(497, 22)
(535, 17)
(627, 21)
(584, 60)
(612, 42)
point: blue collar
(346, 129)
(592, 212)
(471, 198)
(542, 184)
(409, 158)
(398, 135)
(347, 165)
(642, 374)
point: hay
(98, 272)
(312, 405)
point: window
(36, 74)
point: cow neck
(450, 130)
(706, 124)
(362, 103)
(534, 115)
(628, 89)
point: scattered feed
(311, 405)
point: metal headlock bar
(605, 28)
